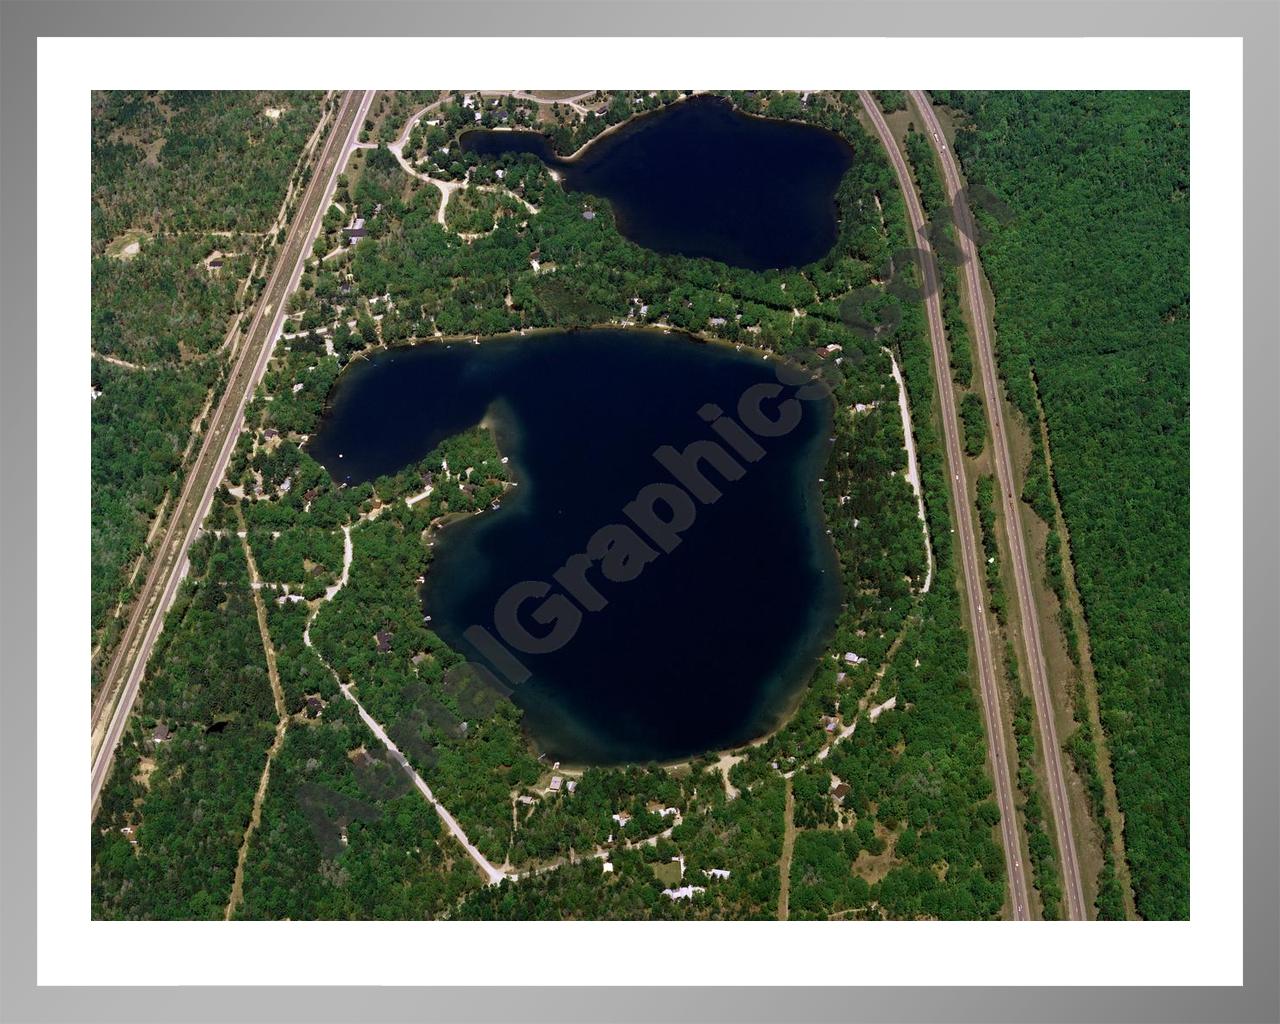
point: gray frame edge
(1257, 22)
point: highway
(966, 537)
(124, 675)
(1055, 775)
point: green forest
(896, 819)
(185, 188)
(1092, 283)
(173, 812)
(333, 843)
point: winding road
(966, 537)
(447, 187)
(1055, 774)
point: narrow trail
(1091, 710)
(492, 874)
(447, 188)
(784, 862)
(124, 364)
(599, 853)
(282, 723)
(574, 102)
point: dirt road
(1055, 774)
(788, 847)
(124, 675)
(966, 538)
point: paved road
(966, 537)
(124, 675)
(1056, 776)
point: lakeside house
(384, 638)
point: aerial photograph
(634, 505)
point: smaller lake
(709, 644)
(699, 178)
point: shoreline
(783, 709)
(791, 682)
(638, 118)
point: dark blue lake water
(699, 178)
(710, 643)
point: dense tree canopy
(894, 820)
(184, 186)
(1091, 278)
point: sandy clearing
(913, 469)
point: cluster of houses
(558, 784)
(500, 113)
(687, 891)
